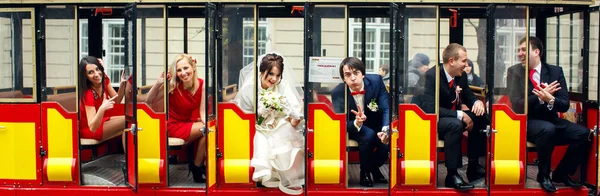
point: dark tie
(535, 85)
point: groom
(368, 102)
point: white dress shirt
(359, 99)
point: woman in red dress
(185, 96)
(96, 97)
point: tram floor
(104, 171)
(354, 176)
(178, 177)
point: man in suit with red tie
(368, 101)
(453, 92)
(544, 127)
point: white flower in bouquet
(271, 105)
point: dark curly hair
(269, 61)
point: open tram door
(593, 61)
(570, 36)
(507, 132)
(130, 32)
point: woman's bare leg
(114, 127)
(194, 134)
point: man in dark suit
(368, 101)
(544, 127)
(454, 92)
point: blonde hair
(451, 51)
(174, 82)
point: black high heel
(197, 172)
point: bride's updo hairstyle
(269, 61)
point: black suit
(367, 136)
(450, 128)
(544, 127)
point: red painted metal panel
(221, 144)
(29, 113)
(522, 118)
(75, 140)
(342, 148)
(432, 142)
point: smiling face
(270, 78)
(185, 71)
(459, 64)
(533, 55)
(353, 78)
(93, 74)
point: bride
(278, 143)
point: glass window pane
(17, 71)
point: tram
(43, 152)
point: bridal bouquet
(272, 105)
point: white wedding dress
(278, 158)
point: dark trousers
(546, 134)
(451, 129)
(370, 158)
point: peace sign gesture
(360, 116)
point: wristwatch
(551, 102)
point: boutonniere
(458, 89)
(373, 105)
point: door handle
(488, 131)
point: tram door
(325, 35)
(570, 39)
(130, 32)
(19, 114)
(415, 146)
(151, 123)
(593, 92)
(506, 26)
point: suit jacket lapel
(351, 103)
(369, 93)
(545, 75)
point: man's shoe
(365, 179)
(565, 179)
(546, 184)
(475, 172)
(456, 182)
(378, 177)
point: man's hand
(467, 120)
(543, 95)
(552, 87)
(383, 136)
(360, 116)
(478, 108)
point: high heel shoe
(197, 172)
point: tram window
(248, 33)
(61, 58)
(594, 48)
(113, 43)
(377, 42)
(17, 69)
(564, 43)
(196, 44)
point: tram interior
(368, 33)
